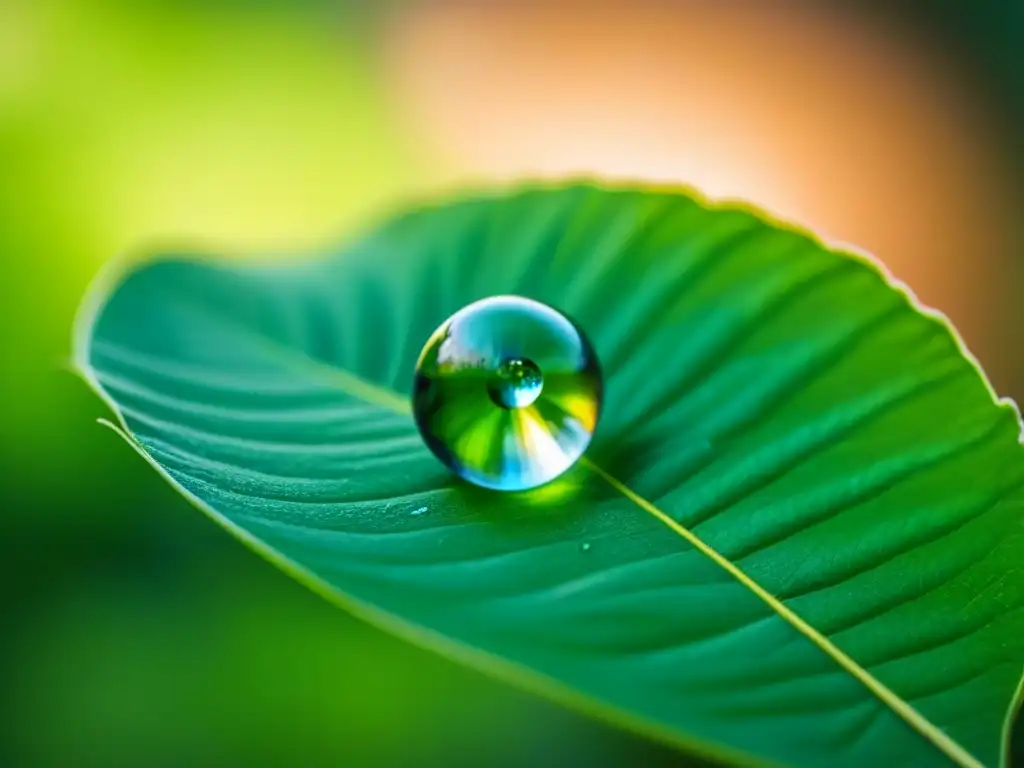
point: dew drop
(585, 547)
(507, 393)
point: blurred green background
(136, 633)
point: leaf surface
(797, 537)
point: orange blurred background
(822, 114)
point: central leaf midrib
(356, 386)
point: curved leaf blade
(797, 535)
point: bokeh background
(133, 631)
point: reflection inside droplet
(516, 383)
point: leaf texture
(797, 538)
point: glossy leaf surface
(797, 537)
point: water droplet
(507, 393)
(418, 511)
(585, 547)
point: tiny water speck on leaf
(584, 547)
(418, 511)
(507, 393)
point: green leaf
(797, 537)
